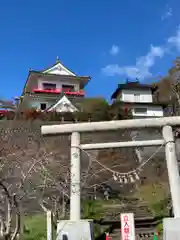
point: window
(140, 110)
(137, 97)
(49, 86)
(69, 88)
(43, 106)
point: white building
(54, 89)
(138, 97)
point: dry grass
(152, 193)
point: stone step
(139, 212)
(142, 233)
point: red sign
(127, 226)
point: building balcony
(58, 90)
(3, 111)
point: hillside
(42, 164)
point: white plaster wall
(156, 111)
(59, 69)
(152, 111)
(37, 103)
(65, 108)
(128, 95)
(59, 72)
(58, 84)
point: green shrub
(159, 228)
(35, 228)
(160, 208)
(92, 209)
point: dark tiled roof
(77, 101)
(142, 103)
(51, 96)
(132, 85)
(53, 74)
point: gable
(63, 105)
(59, 69)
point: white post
(75, 198)
(173, 169)
(49, 225)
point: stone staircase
(140, 210)
(141, 233)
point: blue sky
(108, 40)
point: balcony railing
(58, 90)
(3, 111)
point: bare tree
(169, 88)
(21, 152)
(174, 74)
(6, 217)
(35, 171)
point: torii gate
(75, 129)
